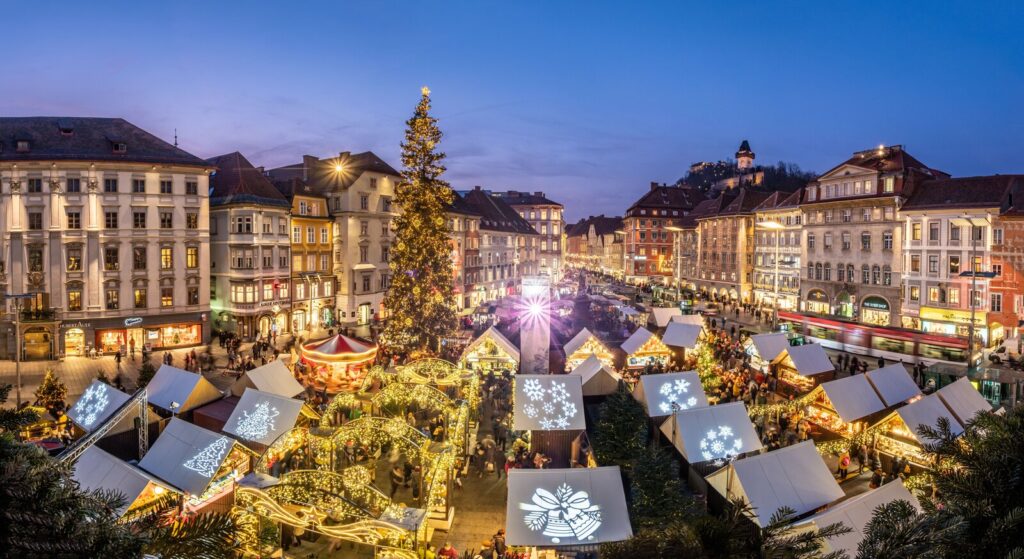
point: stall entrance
(74, 342)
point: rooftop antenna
(175, 137)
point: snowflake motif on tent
(256, 425)
(553, 405)
(673, 392)
(92, 403)
(208, 460)
(721, 443)
(564, 514)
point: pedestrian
(131, 347)
(844, 465)
(448, 552)
(500, 547)
(881, 362)
(876, 479)
(397, 479)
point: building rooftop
(603, 225)
(780, 200)
(237, 181)
(681, 198)
(885, 159)
(516, 198)
(495, 214)
(965, 192)
(322, 174)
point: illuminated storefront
(953, 322)
(142, 332)
(817, 302)
(875, 310)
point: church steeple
(745, 156)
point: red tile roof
(965, 192)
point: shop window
(166, 296)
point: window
(140, 297)
(268, 258)
(915, 262)
(325, 264)
(954, 265)
(191, 257)
(977, 264)
(112, 299)
(109, 185)
(366, 283)
(300, 290)
(954, 233)
(828, 240)
(166, 296)
(139, 186)
(846, 241)
(810, 271)
(865, 241)
(887, 240)
(364, 228)
(191, 188)
(35, 185)
(364, 202)
(876, 275)
(385, 254)
(933, 264)
(74, 220)
(840, 273)
(268, 291)
(373, 182)
(828, 216)
(889, 214)
(886, 275)
(323, 235)
(243, 224)
(866, 216)
(915, 232)
(35, 220)
(827, 276)
(953, 296)
(817, 271)
(310, 235)
(139, 220)
(997, 269)
(192, 220)
(933, 294)
(166, 220)
(110, 220)
(976, 298)
(933, 231)
(915, 293)
(997, 235)
(139, 258)
(327, 288)
(282, 226)
(282, 290)
(282, 258)
(166, 258)
(74, 299)
(847, 215)
(296, 235)
(110, 259)
(120, 147)
(889, 185)
(166, 186)
(74, 259)
(385, 203)
(74, 186)
(311, 262)
(810, 241)
(865, 274)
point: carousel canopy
(893, 384)
(855, 513)
(562, 507)
(927, 411)
(495, 337)
(694, 319)
(661, 316)
(852, 397)
(598, 378)
(712, 432)
(661, 392)
(795, 476)
(96, 405)
(810, 359)
(261, 417)
(339, 348)
(187, 456)
(963, 400)
(274, 377)
(548, 403)
(636, 340)
(96, 469)
(679, 334)
(172, 385)
(770, 346)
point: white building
(508, 246)
(777, 245)
(546, 218)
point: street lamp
(18, 298)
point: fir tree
(656, 490)
(51, 392)
(620, 432)
(146, 372)
(420, 298)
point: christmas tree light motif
(552, 404)
(564, 514)
(674, 392)
(720, 443)
(91, 404)
(256, 425)
(208, 460)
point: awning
(852, 397)
(187, 456)
(810, 359)
(663, 315)
(712, 433)
(661, 392)
(927, 411)
(795, 476)
(636, 340)
(963, 400)
(96, 405)
(172, 385)
(262, 417)
(96, 469)
(274, 377)
(548, 403)
(769, 346)
(564, 507)
(598, 379)
(681, 335)
(893, 384)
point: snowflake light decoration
(208, 460)
(551, 406)
(720, 444)
(564, 514)
(91, 404)
(255, 426)
(674, 393)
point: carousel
(336, 364)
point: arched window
(850, 277)
(840, 272)
(817, 271)
(828, 272)
(876, 275)
(865, 274)
(886, 275)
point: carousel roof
(340, 347)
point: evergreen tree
(51, 392)
(656, 491)
(12, 420)
(620, 433)
(420, 298)
(898, 530)
(146, 372)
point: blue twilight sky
(587, 101)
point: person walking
(500, 547)
(448, 552)
(397, 479)
(844, 465)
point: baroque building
(546, 218)
(777, 236)
(649, 233)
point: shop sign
(875, 303)
(952, 315)
(270, 304)
(72, 325)
(817, 295)
(133, 321)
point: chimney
(477, 187)
(344, 155)
(541, 194)
(654, 185)
(307, 162)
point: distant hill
(782, 176)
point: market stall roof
(963, 400)
(855, 513)
(598, 378)
(577, 341)
(893, 384)
(694, 319)
(495, 336)
(636, 340)
(794, 476)
(548, 403)
(927, 411)
(187, 456)
(852, 397)
(628, 310)
(172, 385)
(96, 405)
(274, 377)
(712, 433)
(770, 346)
(261, 417)
(563, 507)
(810, 359)
(659, 392)
(663, 315)
(682, 335)
(339, 348)
(98, 469)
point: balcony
(38, 315)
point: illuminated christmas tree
(420, 298)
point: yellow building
(312, 237)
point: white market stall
(643, 348)
(894, 384)
(897, 433)
(179, 391)
(548, 402)
(963, 400)
(598, 379)
(795, 477)
(694, 319)
(712, 433)
(96, 405)
(804, 366)
(274, 377)
(662, 392)
(96, 470)
(843, 405)
(491, 352)
(662, 316)
(583, 345)
(260, 418)
(765, 349)
(681, 335)
(566, 507)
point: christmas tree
(51, 391)
(420, 296)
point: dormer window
(120, 147)
(23, 146)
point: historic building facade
(777, 239)
(1008, 256)
(105, 227)
(464, 224)
(508, 246)
(313, 283)
(596, 245)
(648, 231)
(725, 227)
(546, 218)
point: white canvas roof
(598, 379)
(694, 319)
(659, 392)
(97, 469)
(855, 513)
(187, 456)
(810, 359)
(628, 311)
(963, 400)
(578, 340)
(795, 477)
(663, 315)
(713, 432)
(853, 397)
(893, 384)
(548, 403)
(96, 405)
(770, 346)
(683, 335)
(261, 417)
(274, 377)
(562, 507)
(189, 390)
(494, 335)
(636, 340)
(927, 411)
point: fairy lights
(208, 460)
(258, 424)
